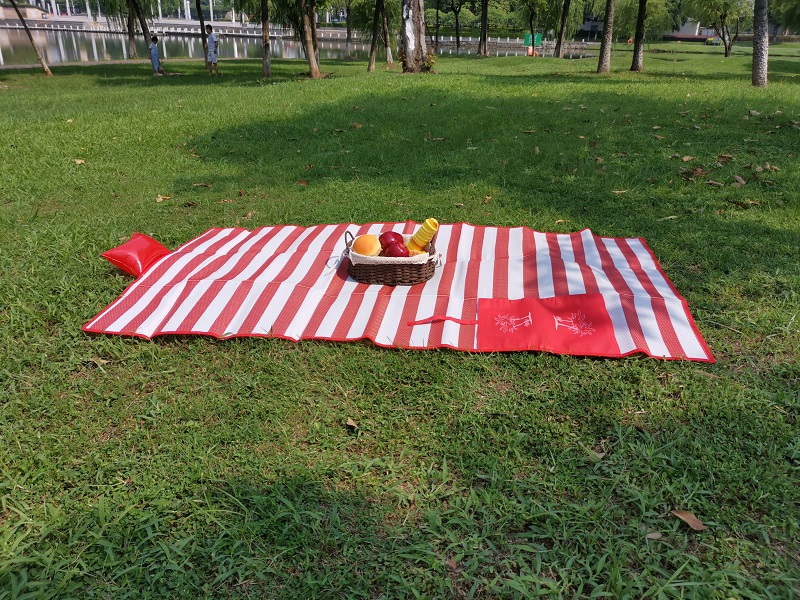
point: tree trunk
(458, 29)
(373, 49)
(760, 43)
(558, 52)
(314, 36)
(142, 21)
(724, 34)
(415, 52)
(306, 16)
(386, 39)
(202, 31)
(30, 37)
(348, 42)
(638, 39)
(483, 44)
(604, 64)
(131, 26)
(266, 61)
(436, 27)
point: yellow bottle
(423, 235)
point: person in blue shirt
(154, 57)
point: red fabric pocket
(578, 325)
(137, 254)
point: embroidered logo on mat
(509, 324)
(576, 323)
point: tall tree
(558, 52)
(760, 42)
(415, 51)
(483, 43)
(30, 38)
(373, 48)
(137, 9)
(266, 60)
(719, 14)
(348, 19)
(604, 63)
(528, 13)
(456, 6)
(130, 28)
(203, 35)
(387, 40)
(307, 15)
(786, 13)
(638, 39)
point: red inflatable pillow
(137, 254)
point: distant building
(28, 12)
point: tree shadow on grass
(528, 161)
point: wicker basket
(383, 270)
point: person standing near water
(154, 57)
(213, 44)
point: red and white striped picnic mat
(496, 289)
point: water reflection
(68, 46)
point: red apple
(388, 238)
(397, 250)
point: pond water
(77, 46)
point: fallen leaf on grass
(654, 535)
(356, 125)
(669, 218)
(707, 374)
(79, 161)
(687, 158)
(714, 183)
(302, 182)
(746, 203)
(487, 199)
(656, 127)
(658, 137)
(338, 130)
(689, 518)
(529, 131)
(309, 166)
(241, 192)
(439, 139)
(208, 185)
(459, 205)
(69, 120)
(189, 204)
(161, 198)
(351, 424)
(753, 113)
(599, 160)
(724, 158)
(620, 191)
(738, 181)
(561, 221)
(249, 215)
(225, 201)
(536, 150)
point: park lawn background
(188, 465)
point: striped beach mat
(494, 289)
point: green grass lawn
(187, 466)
